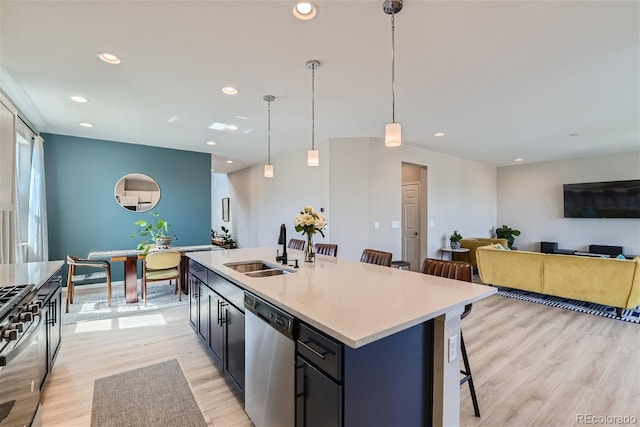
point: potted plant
(156, 231)
(228, 242)
(455, 240)
(508, 233)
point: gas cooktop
(10, 296)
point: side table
(456, 251)
(401, 265)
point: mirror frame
(225, 209)
(150, 200)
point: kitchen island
(364, 307)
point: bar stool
(457, 270)
(296, 244)
(371, 256)
(326, 249)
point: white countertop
(354, 302)
(36, 273)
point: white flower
(308, 221)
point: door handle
(415, 234)
(221, 319)
(305, 344)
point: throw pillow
(499, 246)
(621, 257)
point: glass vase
(309, 254)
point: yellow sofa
(608, 281)
(474, 243)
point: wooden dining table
(130, 258)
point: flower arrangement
(308, 221)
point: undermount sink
(248, 266)
(267, 273)
(257, 268)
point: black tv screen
(613, 199)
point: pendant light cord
(393, 69)
(269, 132)
(313, 105)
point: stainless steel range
(23, 363)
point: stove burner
(11, 296)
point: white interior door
(411, 224)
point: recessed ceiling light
(211, 143)
(518, 160)
(232, 127)
(173, 119)
(80, 99)
(304, 10)
(229, 161)
(229, 90)
(439, 134)
(86, 125)
(248, 131)
(109, 58)
(242, 118)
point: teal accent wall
(82, 213)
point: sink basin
(257, 268)
(267, 273)
(249, 266)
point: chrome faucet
(282, 240)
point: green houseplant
(455, 239)
(155, 232)
(228, 242)
(506, 232)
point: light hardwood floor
(97, 349)
(533, 365)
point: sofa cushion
(520, 270)
(473, 243)
(605, 281)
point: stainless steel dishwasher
(269, 393)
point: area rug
(628, 315)
(153, 396)
(93, 306)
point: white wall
(262, 204)
(219, 190)
(530, 200)
(359, 182)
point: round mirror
(137, 192)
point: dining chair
(73, 278)
(296, 244)
(161, 266)
(371, 256)
(326, 249)
(457, 270)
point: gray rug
(93, 306)
(153, 396)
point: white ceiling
(503, 79)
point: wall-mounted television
(613, 199)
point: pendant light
(313, 155)
(268, 168)
(392, 131)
